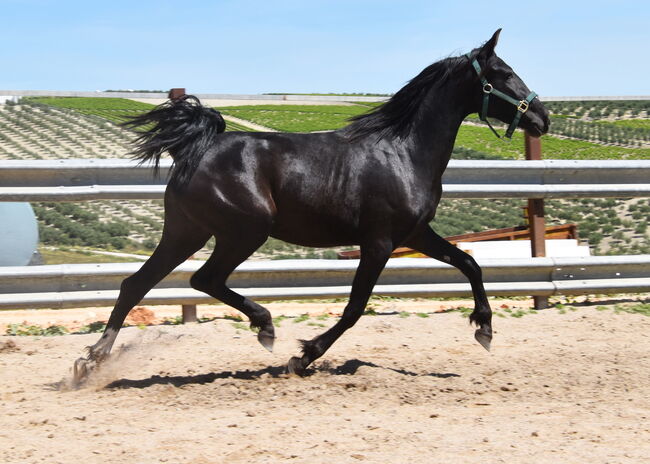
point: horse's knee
(199, 282)
(471, 266)
(129, 284)
(207, 284)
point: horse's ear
(487, 50)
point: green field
(633, 123)
(482, 139)
(113, 109)
(595, 110)
(297, 118)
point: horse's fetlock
(480, 317)
(310, 348)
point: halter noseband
(522, 105)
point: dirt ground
(557, 387)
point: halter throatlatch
(522, 105)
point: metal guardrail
(74, 180)
(74, 285)
(97, 284)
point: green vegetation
(297, 118)
(632, 308)
(93, 327)
(616, 132)
(610, 226)
(22, 329)
(452, 217)
(482, 139)
(45, 132)
(633, 123)
(116, 110)
(109, 225)
(242, 326)
(637, 308)
(233, 126)
(65, 255)
(113, 109)
(301, 318)
(70, 224)
(596, 110)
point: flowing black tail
(183, 128)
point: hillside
(51, 128)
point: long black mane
(397, 117)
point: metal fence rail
(75, 180)
(98, 284)
(74, 285)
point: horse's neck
(444, 109)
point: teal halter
(522, 105)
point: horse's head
(501, 94)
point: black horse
(375, 183)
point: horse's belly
(314, 230)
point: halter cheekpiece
(488, 89)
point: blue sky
(560, 48)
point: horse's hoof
(294, 366)
(81, 369)
(266, 340)
(483, 338)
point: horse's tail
(183, 128)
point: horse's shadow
(348, 368)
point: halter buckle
(487, 88)
(523, 106)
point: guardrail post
(536, 222)
(189, 313)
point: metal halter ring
(487, 88)
(523, 106)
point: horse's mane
(397, 116)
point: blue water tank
(18, 234)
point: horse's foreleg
(169, 254)
(431, 244)
(373, 259)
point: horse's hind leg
(373, 259)
(431, 244)
(211, 278)
(179, 241)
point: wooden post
(175, 94)
(536, 223)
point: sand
(572, 387)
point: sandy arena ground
(556, 388)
